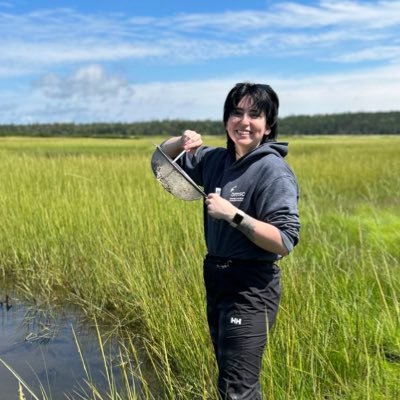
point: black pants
(242, 304)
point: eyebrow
(253, 110)
(244, 109)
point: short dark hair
(265, 101)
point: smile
(243, 133)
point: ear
(267, 131)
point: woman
(250, 221)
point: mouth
(242, 133)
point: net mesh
(173, 178)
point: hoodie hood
(279, 149)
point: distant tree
(379, 123)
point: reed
(85, 220)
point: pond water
(38, 343)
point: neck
(239, 153)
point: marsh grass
(21, 383)
(85, 220)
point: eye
(237, 113)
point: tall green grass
(85, 220)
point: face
(246, 127)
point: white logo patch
(235, 195)
(236, 321)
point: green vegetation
(377, 123)
(85, 221)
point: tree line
(377, 123)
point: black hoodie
(259, 183)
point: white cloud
(86, 83)
(362, 90)
(88, 50)
(91, 94)
(371, 54)
(364, 15)
(63, 36)
(40, 46)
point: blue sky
(104, 61)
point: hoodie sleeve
(277, 205)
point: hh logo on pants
(236, 321)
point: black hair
(264, 100)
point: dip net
(173, 178)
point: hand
(191, 141)
(219, 208)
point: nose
(245, 118)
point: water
(38, 343)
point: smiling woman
(250, 117)
(250, 222)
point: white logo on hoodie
(236, 196)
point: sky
(89, 61)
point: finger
(192, 145)
(191, 140)
(188, 135)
